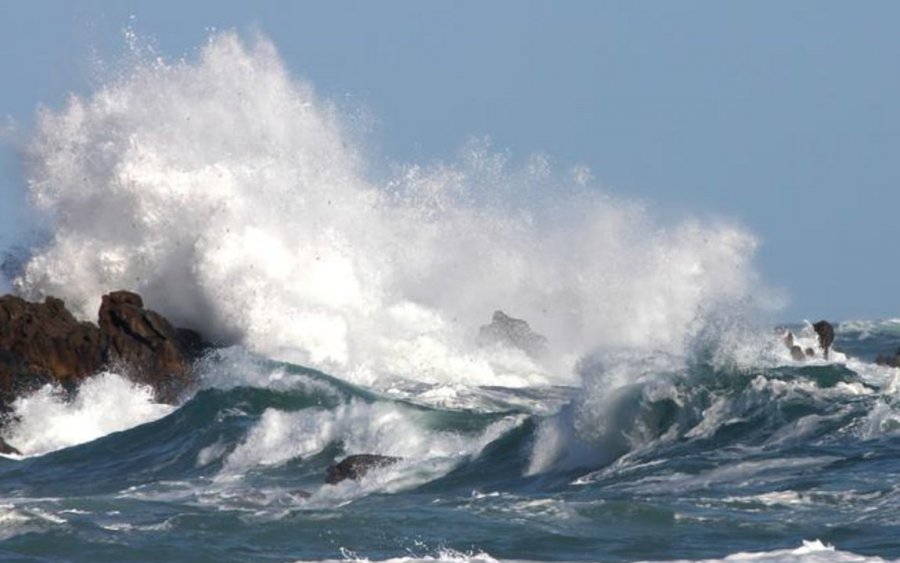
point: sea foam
(47, 420)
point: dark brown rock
(43, 343)
(144, 343)
(513, 332)
(826, 335)
(892, 361)
(355, 466)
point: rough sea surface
(663, 420)
(694, 463)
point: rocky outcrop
(6, 449)
(355, 466)
(43, 343)
(890, 360)
(826, 335)
(512, 332)
(147, 345)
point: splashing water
(47, 420)
(237, 203)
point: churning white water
(233, 198)
(47, 420)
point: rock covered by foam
(43, 343)
(509, 331)
(892, 360)
(355, 466)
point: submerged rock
(43, 343)
(892, 361)
(512, 332)
(355, 466)
(825, 333)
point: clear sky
(784, 116)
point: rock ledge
(43, 343)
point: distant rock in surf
(892, 361)
(826, 335)
(512, 332)
(355, 466)
(43, 343)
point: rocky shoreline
(43, 343)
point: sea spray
(234, 200)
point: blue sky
(783, 116)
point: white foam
(46, 421)
(443, 555)
(14, 522)
(238, 203)
(865, 329)
(809, 552)
(882, 419)
(606, 419)
(235, 366)
(813, 551)
(372, 428)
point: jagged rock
(513, 332)
(43, 343)
(146, 344)
(355, 466)
(826, 335)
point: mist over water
(237, 202)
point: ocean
(793, 461)
(659, 415)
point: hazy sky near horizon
(782, 116)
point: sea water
(664, 421)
